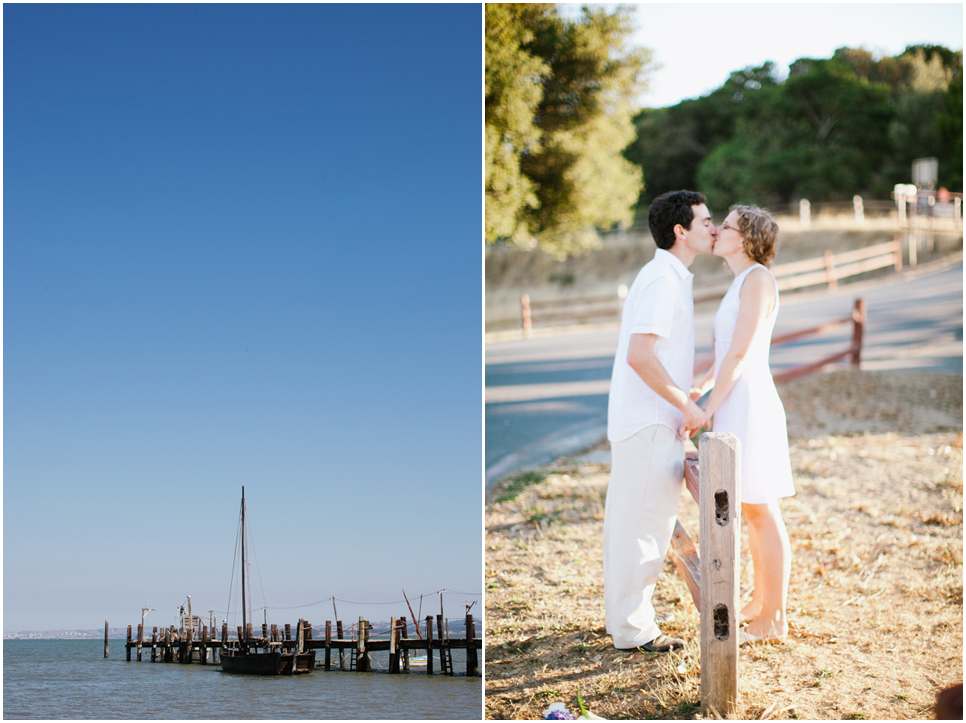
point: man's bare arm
(643, 360)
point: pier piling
(472, 659)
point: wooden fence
(853, 352)
(827, 269)
(712, 478)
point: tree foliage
(558, 112)
(834, 127)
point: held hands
(694, 419)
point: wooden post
(188, 642)
(472, 661)
(140, 639)
(338, 635)
(362, 663)
(265, 632)
(898, 252)
(859, 210)
(106, 652)
(203, 652)
(720, 512)
(858, 322)
(154, 643)
(830, 270)
(393, 647)
(442, 642)
(328, 643)
(527, 320)
(128, 646)
(429, 644)
(404, 635)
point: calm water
(71, 679)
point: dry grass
(876, 593)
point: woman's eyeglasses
(732, 228)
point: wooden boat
(244, 656)
(270, 663)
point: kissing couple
(653, 408)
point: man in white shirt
(649, 403)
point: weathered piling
(338, 634)
(429, 644)
(106, 650)
(404, 635)
(393, 646)
(128, 643)
(472, 660)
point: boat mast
(244, 599)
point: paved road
(548, 396)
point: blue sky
(697, 45)
(241, 247)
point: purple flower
(560, 715)
(557, 711)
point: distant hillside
(66, 634)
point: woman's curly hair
(759, 231)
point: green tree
(950, 123)
(822, 135)
(513, 90)
(554, 165)
(835, 127)
(672, 142)
(923, 126)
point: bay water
(71, 679)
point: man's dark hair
(670, 209)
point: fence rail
(853, 352)
(827, 269)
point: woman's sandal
(743, 619)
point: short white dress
(753, 411)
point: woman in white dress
(744, 401)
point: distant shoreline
(66, 634)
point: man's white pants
(647, 475)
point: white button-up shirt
(661, 302)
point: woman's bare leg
(772, 569)
(753, 608)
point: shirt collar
(669, 259)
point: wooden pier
(197, 646)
